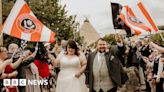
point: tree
(157, 38)
(161, 27)
(110, 39)
(78, 38)
(50, 13)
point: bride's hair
(72, 44)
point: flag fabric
(142, 14)
(117, 23)
(115, 13)
(139, 13)
(128, 17)
(22, 23)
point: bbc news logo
(23, 82)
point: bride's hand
(78, 74)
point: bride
(72, 65)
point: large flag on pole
(117, 23)
(137, 13)
(22, 23)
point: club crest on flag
(28, 23)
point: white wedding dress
(66, 81)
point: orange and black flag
(134, 15)
(23, 24)
(117, 23)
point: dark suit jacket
(114, 66)
(120, 52)
(21, 72)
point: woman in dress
(72, 66)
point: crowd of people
(127, 66)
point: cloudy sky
(99, 12)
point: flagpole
(1, 34)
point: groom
(103, 69)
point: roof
(89, 33)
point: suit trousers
(111, 90)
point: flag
(128, 17)
(23, 24)
(117, 23)
(140, 12)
